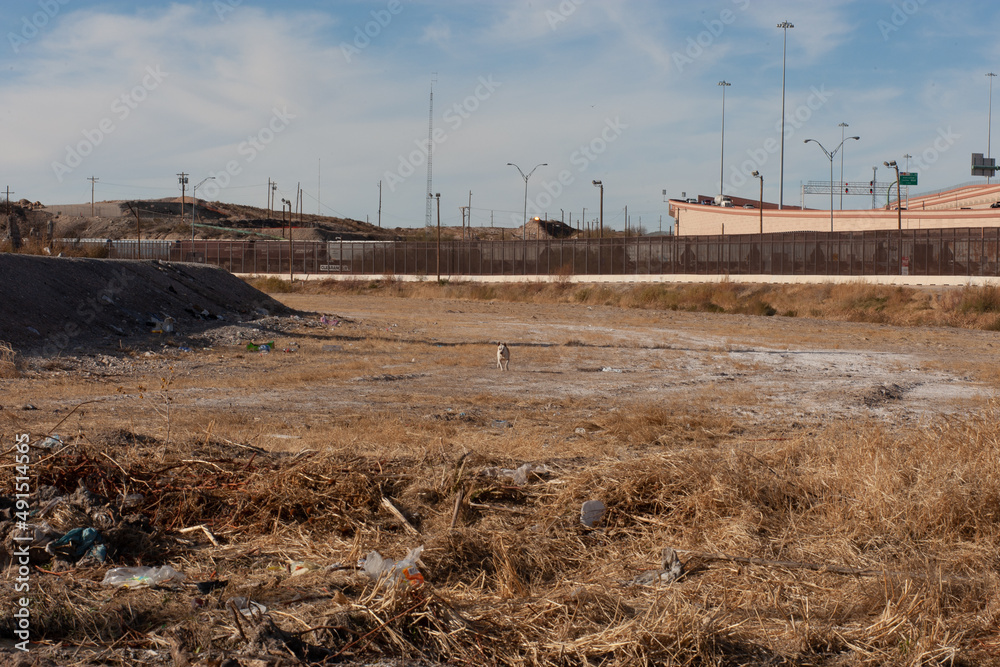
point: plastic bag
(140, 577)
(247, 607)
(377, 567)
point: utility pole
(470, 216)
(268, 204)
(438, 252)
(182, 178)
(92, 179)
(274, 189)
(8, 200)
(380, 203)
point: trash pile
(234, 532)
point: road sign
(983, 166)
(908, 178)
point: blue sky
(334, 95)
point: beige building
(967, 206)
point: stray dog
(503, 356)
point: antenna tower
(430, 154)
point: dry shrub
(979, 299)
(272, 285)
(10, 362)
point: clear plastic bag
(377, 567)
(140, 577)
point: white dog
(503, 356)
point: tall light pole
(722, 159)
(899, 207)
(438, 253)
(784, 25)
(524, 223)
(600, 184)
(907, 156)
(989, 123)
(842, 126)
(194, 202)
(830, 156)
(757, 174)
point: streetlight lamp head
(598, 183)
(858, 138)
(755, 174)
(510, 164)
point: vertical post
(842, 126)
(93, 180)
(784, 25)
(438, 197)
(380, 203)
(989, 124)
(722, 155)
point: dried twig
(458, 507)
(386, 503)
(817, 567)
(203, 528)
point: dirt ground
(575, 373)
(757, 368)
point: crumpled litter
(520, 475)
(389, 571)
(78, 543)
(141, 577)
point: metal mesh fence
(941, 252)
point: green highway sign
(908, 178)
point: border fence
(934, 252)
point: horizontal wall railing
(933, 252)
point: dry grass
(971, 307)
(518, 580)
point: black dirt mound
(51, 305)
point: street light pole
(438, 253)
(842, 126)
(722, 158)
(899, 202)
(757, 174)
(989, 123)
(784, 25)
(907, 156)
(830, 156)
(524, 222)
(194, 202)
(600, 184)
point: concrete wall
(695, 220)
(941, 210)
